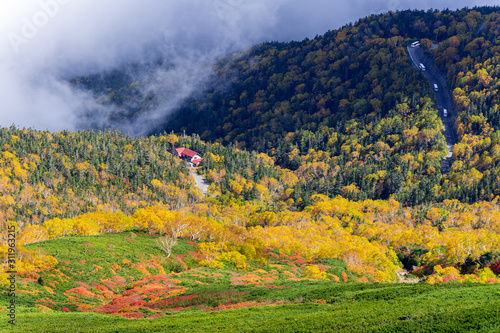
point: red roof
(198, 160)
(187, 152)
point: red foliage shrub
(80, 291)
(423, 270)
(109, 308)
(94, 284)
(82, 284)
(65, 310)
(157, 305)
(157, 277)
(110, 284)
(30, 276)
(126, 300)
(105, 291)
(83, 307)
(130, 292)
(155, 291)
(496, 267)
(119, 280)
(288, 262)
(195, 255)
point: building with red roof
(191, 156)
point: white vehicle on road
(445, 113)
(422, 67)
(436, 88)
(415, 44)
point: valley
(344, 183)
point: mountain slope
(345, 111)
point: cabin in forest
(189, 155)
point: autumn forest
(324, 159)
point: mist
(46, 43)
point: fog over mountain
(44, 43)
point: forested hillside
(64, 174)
(351, 94)
(252, 205)
(245, 244)
(470, 57)
(346, 110)
(324, 163)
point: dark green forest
(347, 111)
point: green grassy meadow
(349, 308)
(123, 283)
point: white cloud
(45, 42)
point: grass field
(348, 308)
(122, 283)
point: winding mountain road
(444, 99)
